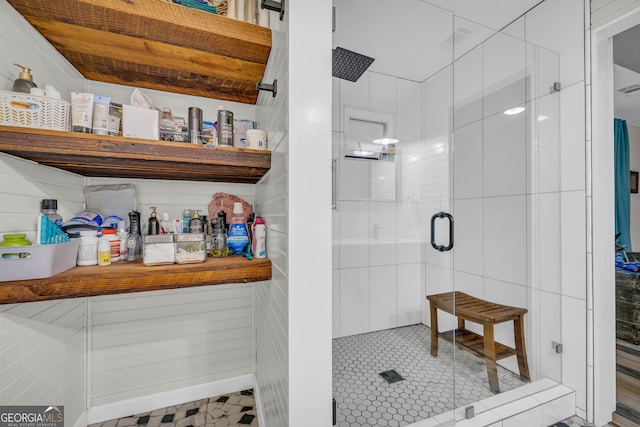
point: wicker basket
(21, 109)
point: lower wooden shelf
(125, 277)
(475, 343)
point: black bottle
(222, 214)
(154, 224)
(134, 240)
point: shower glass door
(496, 172)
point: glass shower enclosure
(459, 207)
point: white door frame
(601, 295)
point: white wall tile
(409, 292)
(467, 80)
(354, 94)
(546, 124)
(503, 74)
(468, 234)
(543, 66)
(558, 26)
(408, 125)
(558, 409)
(505, 239)
(354, 301)
(383, 246)
(573, 232)
(382, 93)
(504, 160)
(548, 321)
(335, 304)
(353, 179)
(515, 29)
(574, 362)
(410, 230)
(467, 161)
(531, 417)
(438, 117)
(383, 180)
(354, 234)
(549, 243)
(572, 112)
(382, 298)
(470, 284)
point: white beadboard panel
(408, 125)
(382, 93)
(157, 341)
(382, 298)
(42, 358)
(23, 184)
(179, 104)
(271, 302)
(22, 44)
(409, 294)
(173, 197)
(354, 301)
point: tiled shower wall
(377, 275)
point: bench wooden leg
(521, 351)
(490, 358)
(434, 329)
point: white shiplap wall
(152, 342)
(183, 338)
(42, 345)
(272, 297)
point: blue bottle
(238, 234)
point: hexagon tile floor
(364, 398)
(229, 410)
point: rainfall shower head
(349, 65)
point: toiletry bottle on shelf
(134, 240)
(195, 224)
(49, 208)
(222, 214)
(259, 243)
(250, 221)
(121, 232)
(225, 127)
(186, 217)
(238, 234)
(104, 250)
(154, 224)
(24, 82)
(219, 239)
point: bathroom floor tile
(229, 410)
(365, 399)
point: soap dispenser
(154, 224)
(24, 82)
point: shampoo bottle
(238, 235)
(24, 82)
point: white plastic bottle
(104, 250)
(259, 244)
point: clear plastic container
(158, 249)
(190, 248)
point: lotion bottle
(24, 82)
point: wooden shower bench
(487, 314)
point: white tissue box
(140, 122)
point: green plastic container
(15, 240)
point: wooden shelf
(110, 156)
(125, 277)
(155, 44)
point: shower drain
(391, 376)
